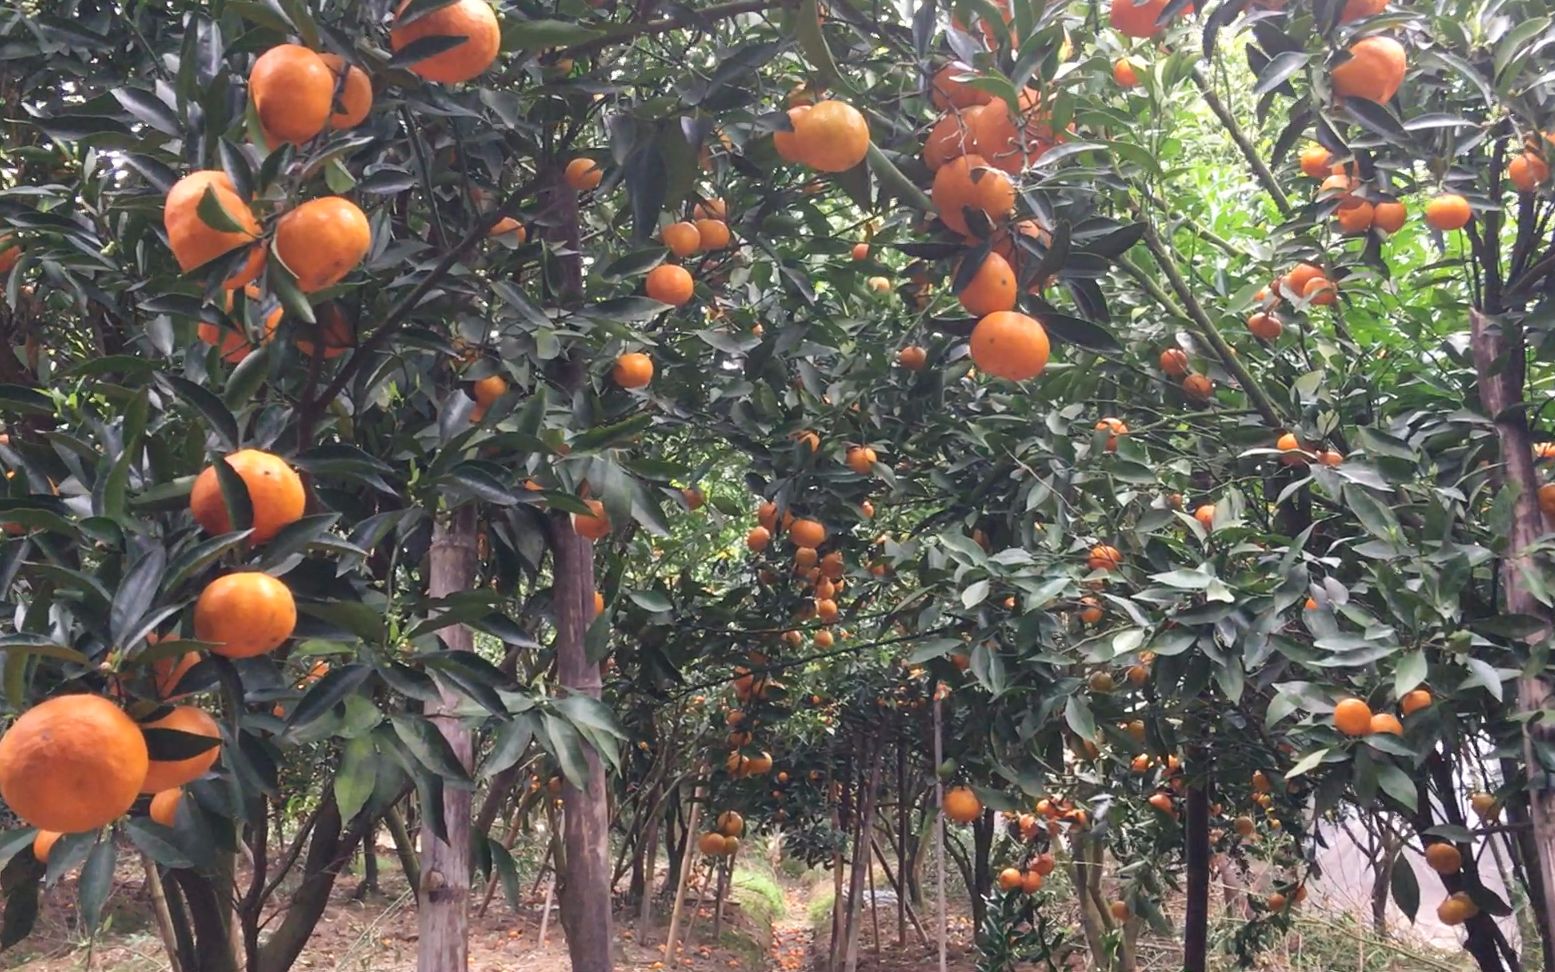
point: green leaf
(214, 215)
(1410, 672)
(356, 776)
(807, 26)
(1306, 764)
(1078, 715)
(1406, 888)
(430, 748)
(136, 593)
(96, 884)
(536, 35)
(511, 743)
(1397, 784)
(326, 693)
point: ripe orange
(1174, 361)
(245, 614)
(1198, 388)
(1205, 514)
(947, 92)
(1386, 722)
(766, 514)
(234, 344)
(10, 252)
(473, 20)
(1299, 276)
(584, 173)
(1116, 427)
(322, 240)
(1031, 882)
(860, 251)
(293, 91)
(275, 494)
(1119, 910)
(333, 327)
(1137, 18)
(1090, 611)
(1456, 909)
(43, 844)
(1356, 9)
(1448, 211)
(787, 143)
(1527, 171)
(807, 533)
(168, 774)
(1484, 805)
(861, 459)
(950, 138)
(73, 763)
(1124, 74)
(670, 284)
(1320, 291)
(711, 844)
(730, 824)
(1243, 825)
(1162, 801)
(594, 525)
(1413, 702)
(1389, 216)
(1104, 557)
(1315, 161)
(164, 806)
(879, 285)
(962, 805)
(194, 243)
(1010, 142)
(713, 207)
(632, 370)
(832, 136)
(1443, 858)
(1330, 457)
(1008, 344)
(713, 233)
(758, 538)
(1275, 901)
(1352, 717)
(1355, 216)
(355, 98)
(166, 673)
(992, 287)
(1373, 72)
(1009, 879)
(508, 227)
(1291, 446)
(488, 389)
(1264, 326)
(682, 238)
(969, 183)
(912, 357)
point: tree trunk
(1500, 352)
(862, 838)
(982, 875)
(585, 895)
(1195, 939)
(328, 852)
(444, 892)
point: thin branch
(1249, 152)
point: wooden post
(545, 912)
(901, 890)
(686, 860)
(1196, 908)
(939, 825)
(874, 904)
(443, 899)
(163, 914)
(866, 818)
(901, 841)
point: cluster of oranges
(706, 231)
(724, 839)
(1353, 716)
(77, 762)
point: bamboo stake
(874, 906)
(164, 916)
(686, 860)
(545, 915)
(939, 825)
(901, 892)
(866, 819)
(901, 842)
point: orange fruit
(1484, 805)
(1104, 557)
(1174, 361)
(670, 284)
(807, 533)
(1124, 74)
(879, 285)
(1137, 18)
(1264, 326)
(1386, 722)
(73, 763)
(682, 238)
(1456, 909)
(1448, 211)
(194, 243)
(912, 357)
(1352, 717)
(275, 494)
(1161, 801)
(1299, 276)
(245, 614)
(730, 824)
(594, 525)
(1090, 610)
(711, 208)
(861, 459)
(322, 240)
(766, 514)
(713, 233)
(333, 329)
(632, 370)
(167, 774)
(1008, 344)
(164, 806)
(962, 805)
(1291, 446)
(1243, 825)
(789, 147)
(10, 252)
(166, 673)
(1355, 216)
(1119, 910)
(992, 287)
(758, 538)
(969, 183)
(1443, 858)
(584, 173)
(832, 136)
(1275, 901)
(488, 389)
(1356, 9)
(860, 251)
(1198, 388)
(43, 844)
(1012, 142)
(946, 92)
(1320, 291)
(1205, 514)
(1373, 72)
(1389, 216)
(1031, 882)
(1009, 879)
(711, 844)
(508, 227)
(1413, 702)
(1527, 171)
(355, 97)
(1315, 161)
(950, 138)
(293, 91)
(473, 20)
(1116, 427)
(234, 344)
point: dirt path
(792, 935)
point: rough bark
(328, 853)
(208, 916)
(1195, 942)
(585, 893)
(444, 890)
(1500, 353)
